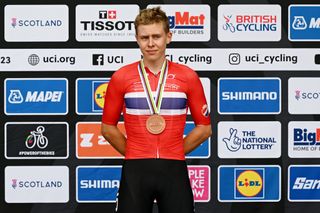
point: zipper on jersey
(158, 154)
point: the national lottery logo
(247, 140)
(249, 183)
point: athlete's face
(152, 40)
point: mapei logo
(249, 183)
(36, 96)
(259, 183)
(304, 183)
(90, 93)
(249, 96)
(97, 183)
(249, 22)
(304, 22)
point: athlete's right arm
(113, 135)
(113, 105)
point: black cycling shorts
(145, 180)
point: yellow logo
(249, 183)
(99, 94)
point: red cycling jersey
(125, 93)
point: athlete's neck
(154, 66)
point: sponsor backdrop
(258, 62)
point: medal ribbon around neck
(154, 103)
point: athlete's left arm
(199, 134)
(200, 114)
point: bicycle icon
(37, 137)
(228, 25)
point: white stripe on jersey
(162, 111)
(165, 95)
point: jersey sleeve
(114, 100)
(196, 100)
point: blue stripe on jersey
(167, 103)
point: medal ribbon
(153, 102)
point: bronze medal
(155, 124)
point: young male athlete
(154, 95)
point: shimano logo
(304, 183)
(99, 184)
(249, 96)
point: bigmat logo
(304, 96)
(249, 22)
(304, 22)
(36, 96)
(188, 22)
(200, 182)
(36, 184)
(249, 95)
(97, 183)
(259, 183)
(304, 183)
(249, 139)
(91, 144)
(304, 139)
(36, 140)
(106, 22)
(35, 23)
(90, 94)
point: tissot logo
(105, 22)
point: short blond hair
(151, 16)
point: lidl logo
(90, 93)
(304, 22)
(91, 144)
(36, 96)
(258, 183)
(249, 183)
(100, 89)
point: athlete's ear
(169, 37)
